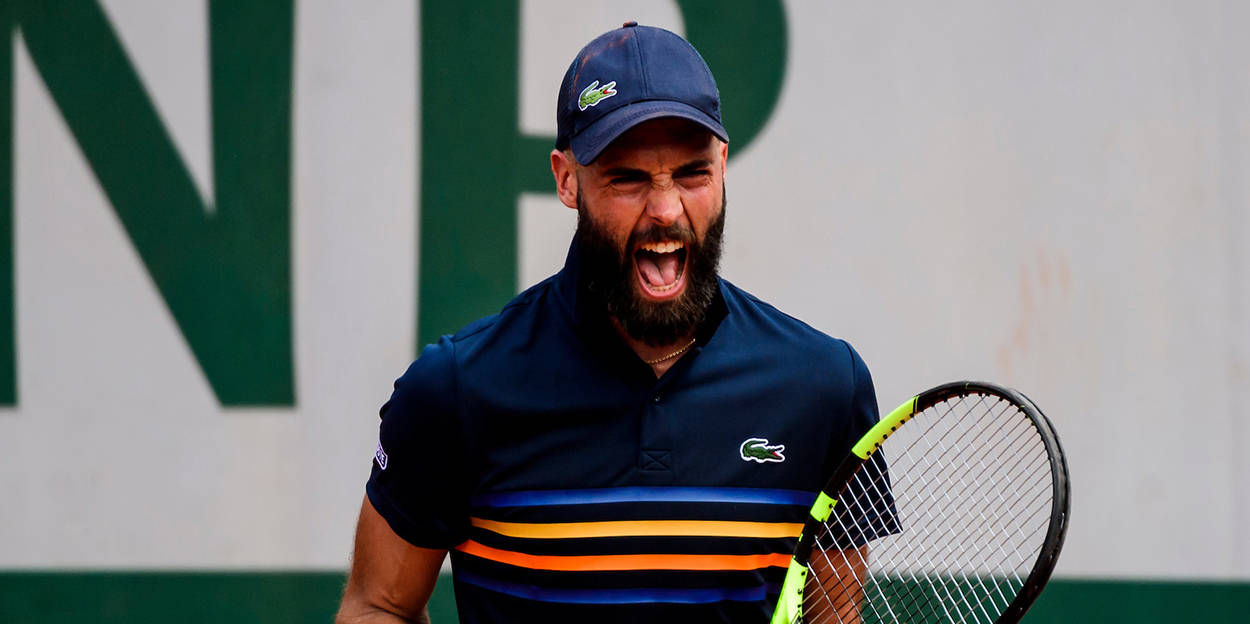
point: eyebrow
(629, 172)
(625, 172)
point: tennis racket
(951, 509)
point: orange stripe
(637, 528)
(588, 563)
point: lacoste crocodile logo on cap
(594, 94)
(759, 450)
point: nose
(664, 205)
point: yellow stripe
(868, 444)
(637, 528)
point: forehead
(675, 136)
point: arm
(391, 580)
(842, 574)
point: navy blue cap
(631, 75)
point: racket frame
(790, 603)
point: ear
(724, 157)
(564, 169)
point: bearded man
(634, 439)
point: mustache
(658, 234)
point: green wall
(290, 597)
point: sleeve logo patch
(594, 94)
(760, 451)
(380, 456)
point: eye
(694, 177)
(628, 179)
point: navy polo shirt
(570, 484)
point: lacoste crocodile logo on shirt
(759, 450)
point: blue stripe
(622, 596)
(643, 494)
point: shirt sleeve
(417, 483)
(865, 509)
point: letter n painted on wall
(224, 271)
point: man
(634, 437)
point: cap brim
(594, 139)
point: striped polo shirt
(569, 484)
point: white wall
(1053, 196)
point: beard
(607, 277)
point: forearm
(837, 586)
(365, 614)
(853, 578)
(391, 580)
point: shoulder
(428, 381)
(534, 304)
(440, 369)
(781, 346)
(769, 328)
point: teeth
(665, 247)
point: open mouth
(661, 268)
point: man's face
(650, 219)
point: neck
(655, 355)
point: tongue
(658, 269)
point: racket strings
(952, 499)
(965, 491)
(980, 518)
(841, 601)
(983, 518)
(972, 495)
(955, 497)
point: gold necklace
(673, 354)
